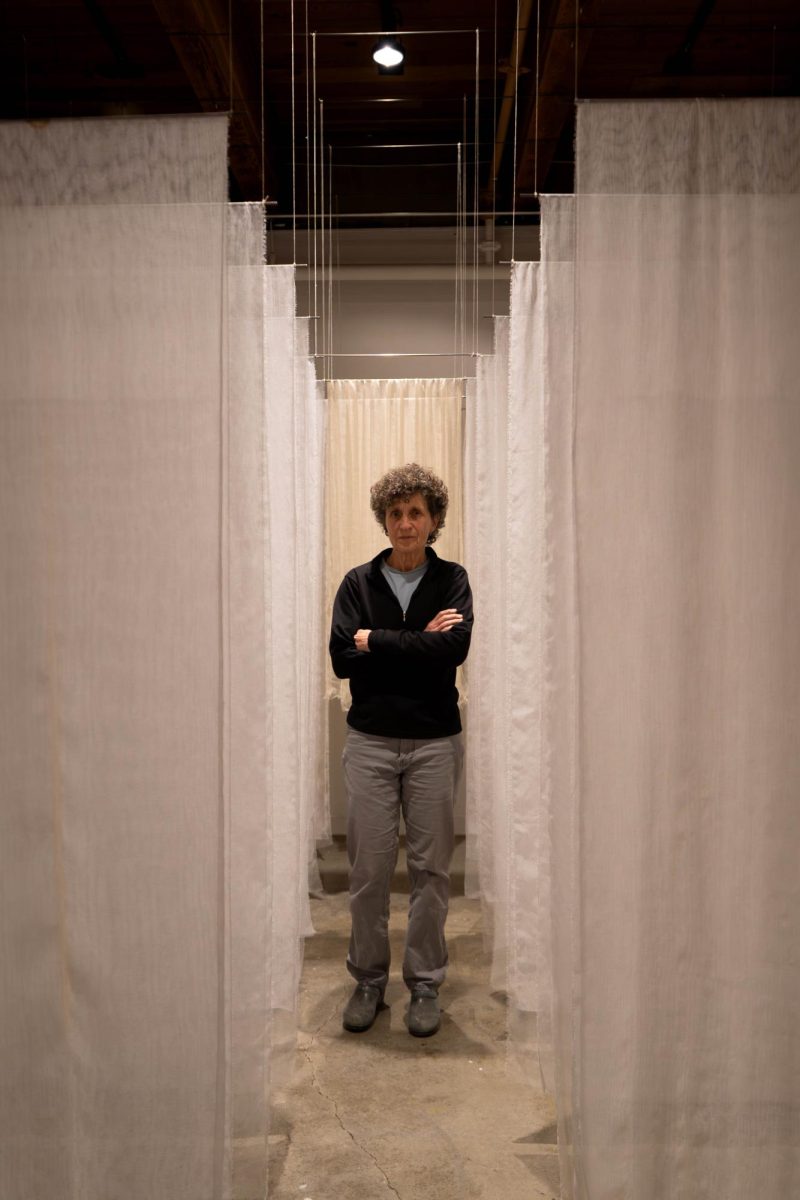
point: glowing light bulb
(388, 53)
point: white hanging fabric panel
(474, 392)
(507, 819)
(559, 796)
(276, 678)
(311, 664)
(485, 507)
(161, 439)
(529, 980)
(374, 425)
(112, 926)
(686, 1040)
(246, 637)
(293, 449)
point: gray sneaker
(424, 1017)
(362, 1008)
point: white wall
(401, 314)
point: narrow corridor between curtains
(382, 1114)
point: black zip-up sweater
(404, 686)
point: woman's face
(409, 524)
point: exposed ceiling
(390, 144)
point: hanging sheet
(508, 860)
(112, 925)
(485, 507)
(296, 634)
(161, 658)
(686, 1036)
(559, 783)
(276, 651)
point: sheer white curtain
(276, 646)
(312, 647)
(507, 555)
(656, 362)
(685, 1017)
(296, 636)
(485, 506)
(373, 425)
(558, 796)
(149, 819)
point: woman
(401, 625)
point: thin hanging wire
(464, 194)
(461, 160)
(494, 135)
(577, 33)
(330, 256)
(314, 173)
(294, 151)
(263, 127)
(457, 278)
(230, 60)
(323, 314)
(338, 262)
(466, 316)
(514, 166)
(476, 152)
(536, 107)
(308, 166)
(457, 255)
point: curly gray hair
(402, 482)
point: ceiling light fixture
(388, 53)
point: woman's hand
(361, 639)
(443, 621)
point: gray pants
(385, 776)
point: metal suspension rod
(484, 212)
(399, 354)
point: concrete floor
(383, 1114)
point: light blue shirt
(403, 583)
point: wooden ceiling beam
(223, 77)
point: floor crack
(332, 1101)
(334, 1011)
